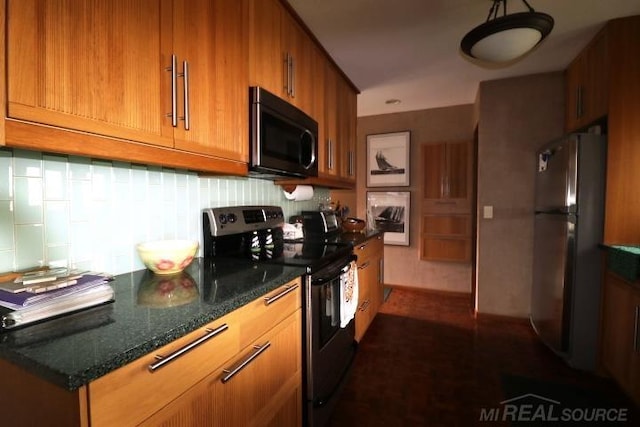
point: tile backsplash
(73, 211)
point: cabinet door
(434, 171)
(211, 37)
(346, 129)
(446, 238)
(597, 77)
(91, 66)
(298, 46)
(265, 391)
(328, 148)
(617, 329)
(266, 54)
(447, 177)
(574, 83)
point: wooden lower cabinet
(266, 392)
(256, 348)
(445, 238)
(370, 284)
(620, 343)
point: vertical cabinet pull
(579, 104)
(185, 93)
(381, 271)
(288, 81)
(231, 372)
(288, 289)
(636, 346)
(163, 360)
(174, 90)
(293, 77)
(330, 154)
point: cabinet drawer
(450, 225)
(261, 314)
(456, 249)
(365, 250)
(133, 392)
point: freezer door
(556, 176)
(553, 260)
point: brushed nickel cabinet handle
(173, 69)
(293, 77)
(362, 246)
(288, 289)
(163, 360)
(185, 80)
(231, 372)
(330, 154)
(579, 103)
(635, 329)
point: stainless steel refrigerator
(569, 220)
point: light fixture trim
(392, 101)
(541, 22)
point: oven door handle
(333, 271)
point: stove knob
(232, 218)
(222, 218)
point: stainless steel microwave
(283, 138)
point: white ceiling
(409, 49)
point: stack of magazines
(42, 295)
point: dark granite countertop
(624, 260)
(73, 350)
(359, 237)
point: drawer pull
(635, 329)
(288, 289)
(231, 372)
(364, 245)
(163, 360)
(364, 305)
(363, 266)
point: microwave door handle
(312, 142)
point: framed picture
(388, 159)
(389, 212)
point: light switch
(487, 212)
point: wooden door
(434, 171)
(91, 66)
(299, 46)
(211, 37)
(266, 392)
(574, 83)
(597, 79)
(266, 51)
(346, 130)
(617, 329)
(328, 148)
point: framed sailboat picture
(388, 161)
(389, 212)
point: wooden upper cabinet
(328, 146)
(447, 176)
(90, 66)
(211, 38)
(266, 54)
(281, 54)
(106, 68)
(347, 111)
(586, 80)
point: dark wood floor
(427, 361)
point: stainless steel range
(255, 233)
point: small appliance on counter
(319, 223)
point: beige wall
(402, 264)
(516, 116)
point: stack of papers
(66, 292)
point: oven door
(331, 348)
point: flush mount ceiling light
(505, 38)
(392, 101)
